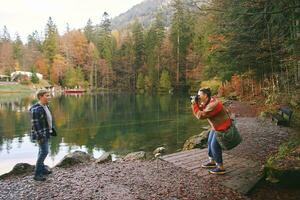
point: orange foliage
(108, 75)
(59, 67)
(216, 38)
(241, 85)
(42, 67)
(74, 45)
(214, 47)
(6, 57)
(216, 42)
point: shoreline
(123, 176)
(155, 179)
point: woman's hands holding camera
(194, 99)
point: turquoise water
(116, 123)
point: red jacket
(215, 113)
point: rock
(227, 103)
(284, 169)
(295, 101)
(160, 150)
(205, 127)
(19, 169)
(105, 157)
(74, 158)
(140, 155)
(232, 96)
(196, 141)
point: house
(15, 75)
(4, 78)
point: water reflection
(116, 123)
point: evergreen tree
(104, 40)
(34, 41)
(165, 82)
(50, 42)
(138, 40)
(140, 84)
(181, 37)
(18, 50)
(34, 78)
(153, 43)
(5, 37)
(89, 31)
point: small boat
(76, 90)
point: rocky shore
(154, 179)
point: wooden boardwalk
(241, 174)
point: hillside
(145, 12)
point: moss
(283, 167)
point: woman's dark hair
(206, 91)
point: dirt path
(156, 179)
(242, 109)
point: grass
(17, 88)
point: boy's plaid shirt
(40, 127)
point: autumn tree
(6, 57)
(58, 69)
(107, 74)
(41, 66)
(74, 47)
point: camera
(194, 98)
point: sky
(26, 16)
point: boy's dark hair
(41, 93)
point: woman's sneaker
(217, 171)
(209, 165)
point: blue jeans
(214, 148)
(43, 152)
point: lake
(118, 123)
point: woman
(207, 107)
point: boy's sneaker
(217, 171)
(209, 165)
(39, 178)
(47, 172)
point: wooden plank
(201, 153)
(241, 174)
(190, 156)
(181, 153)
(243, 182)
(203, 173)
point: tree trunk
(177, 75)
